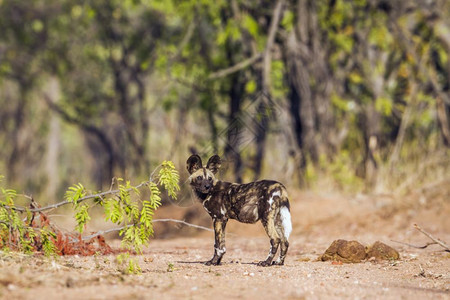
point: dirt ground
(172, 264)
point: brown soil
(172, 267)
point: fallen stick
(437, 241)
(182, 222)
(102, 232)
(415, 246)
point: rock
(382, 251)
(70, 283)
(353, 252)
(345, 251)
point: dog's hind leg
(283, 228)
(284, 248)
(269, 226)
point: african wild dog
(263, 200)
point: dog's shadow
(221, 264)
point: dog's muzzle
(206, 188)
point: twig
(415, 246)
(56, 205)
(184, 223)
(237, 67)
(102, 232)
(437, 241)
(435, 160)
(187, 37)
(422, 271)
(277, 12)
(404, 123)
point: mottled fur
(264, 200)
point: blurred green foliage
(143, 81)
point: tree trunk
(261, 129)
(294, 110)
(371, 130)
(15, 140)
(53, 145)
(263, 110)
(232, 148)
(443, 114)
(301, 99)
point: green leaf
(168, 177)
(355, 77)
(9, 195)
(113, 211)
(155, 198)
(82, 217)
(147, 214)
(250, 86)
(288, 20)
(250, 24)
(75, 193)
(384, 106)
(380, 36)
(47, 240)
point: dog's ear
(193, 163)
(214, 163)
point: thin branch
(247, 39)
(187, 37)
(435, 160)
(428, 72)
(93, 196)
(102, 232)
(404, 123)
(437, 241)
(277, 12)
(184, 223)
(415, 246)
(256, 57)
(237, 67)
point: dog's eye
(209, 178)
(199, 177)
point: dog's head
(202, 177)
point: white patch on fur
(255, 212)
(270, 202)
(223, 210)
(285, 217)
(270, 252)
(277, 193)
(207, 199)
(220, 252)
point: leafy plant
(170, 267)
(127, 265)
(127, 206)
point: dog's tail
(285, 216)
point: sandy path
(172, 268)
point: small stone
(381, 251)
(345, 251)
(70, 283)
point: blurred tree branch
(237, 67)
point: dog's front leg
(219, 243)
